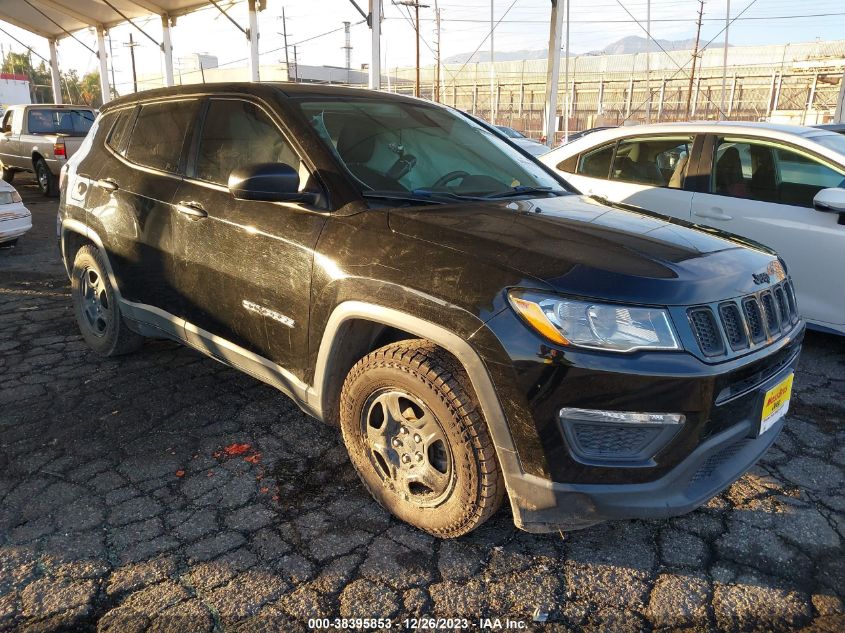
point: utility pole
(695, 55)
(111, 59)
(295, 66)
(648, 61)
(492, 65)
(131, 45)
(285, 35)
(722, 114)
(437, 61)
(417, 6)
(347, 47)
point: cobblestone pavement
(164, 491)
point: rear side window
(119, 132)
(596, 163)
(237, 133)
(159, 134)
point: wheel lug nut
(417, 438)
(403, 431)
(396, 442)
(406, 459)
(419, 457)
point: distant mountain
(624, 46)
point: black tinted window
(596, 163)
(120, 130)
(60, 121)
(237, 133)
(159, 134)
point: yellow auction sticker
(776, 403)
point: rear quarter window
(119, 125)
(160, 132)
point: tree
(40, 88)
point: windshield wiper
(401, 196)
(521, 190)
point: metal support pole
(811, 100)
(777, 92)
(771, 94)
(375, 54)
(630, 94)
(105, 89)
(567, 109)
(600, 105)
(731, 101)
(648, 62)
(167, 50)
(552, 72)
(722, 114)
(492, 66)
(55, 77)
(695, 96)
(662, 98)
(252, 34)
(839, 117)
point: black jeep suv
(474, 327)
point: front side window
(60, 121)
(656, 161)
(159, 134)
(7, 121)
(770, 173)
(237, 133)
(596, 162)
(406, 147)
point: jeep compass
(477, 329)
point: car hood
(575, 245)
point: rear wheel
(47, 182)
(96, 309)
(417, 438)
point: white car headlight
(591, 325)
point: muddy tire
(47, 183)
(96, 308)
(418, 440)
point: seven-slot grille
(745, 322)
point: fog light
(621, 417)
(616, 438)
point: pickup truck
(40, 138)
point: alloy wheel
(95, 301)
(408, 447)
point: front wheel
(417, 438)
(96, 309)
(47, 182)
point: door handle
(191, 208)
(108, 184)
(713, 213)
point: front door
(10, 135)
(764, 191)
(244, 273)
(644, 171)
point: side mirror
(831, 200)
(268, 182)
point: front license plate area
(775, 404)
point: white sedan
(780, 185)
(15, 219)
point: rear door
(131, 201)
(764, 191)
(644, 171)
(245, 266)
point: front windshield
(415, 148)
(830, 140)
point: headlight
(595, 325)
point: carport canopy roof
(54, 19)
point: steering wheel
(447, 178)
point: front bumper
(11, 229)
(556, 487)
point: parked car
(839, 128)
(40, 138)
(576, 135)
(15, 218)
(779, 185)
(535, 148)
(475, 329)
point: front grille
(605, 440)
(708, 468)
(754, 319)
(769, 313)
(740, 324)
(734, 328)
(706, 331)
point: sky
(316, 27)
